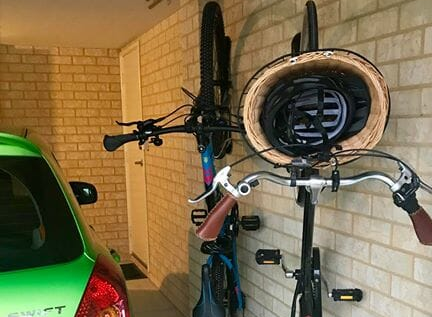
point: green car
(51, 263)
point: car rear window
(36, 224)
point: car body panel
(54, 290)
(43, 291)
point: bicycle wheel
(214, 67)
(309, 34)
(217, 278)
(224, 287)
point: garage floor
(148, 301)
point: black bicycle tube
(233, 277)
(316, 276)
(306, 299)
(307, 309)
(185, 129)
(310, 28)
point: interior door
(134, 157)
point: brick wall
(168, 214)
(71, 96)
(366, 242)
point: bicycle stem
(113, 142)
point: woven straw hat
(334, 61)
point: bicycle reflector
(313, 103)
(105, 294)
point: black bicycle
(209, 119)
(309, 277)
(305, 112)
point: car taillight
(105, 294)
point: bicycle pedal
(268, 257)
(198, 216)
(347, 295)
(250, 223)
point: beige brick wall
(168, 214)
(366, 242)
(71, 96)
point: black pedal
(250, 223)
(268, 257)
(198, 216)
(347, 295)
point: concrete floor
(147, 301)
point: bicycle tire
(217, 278)
(214, 71)
(309, 33)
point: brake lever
(141, 125)
(222, 178)
(407, 177)
(406, 186)
(189, 94)
(127, 124)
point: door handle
(140, 162)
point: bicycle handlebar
(113, 142)
(312, 181)
(216, 218)
(422, 224)
(403, 188)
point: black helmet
(313, 102)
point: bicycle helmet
(313, 102)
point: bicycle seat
(207, 305)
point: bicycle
(309, 277)
(209, 120)
(304, 175)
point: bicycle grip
(422, 225)
(210, 228)
(113, 142)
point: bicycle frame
(230, 261)
(304, 283)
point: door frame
(124, 51)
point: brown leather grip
(422, 225)
(212, 225)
